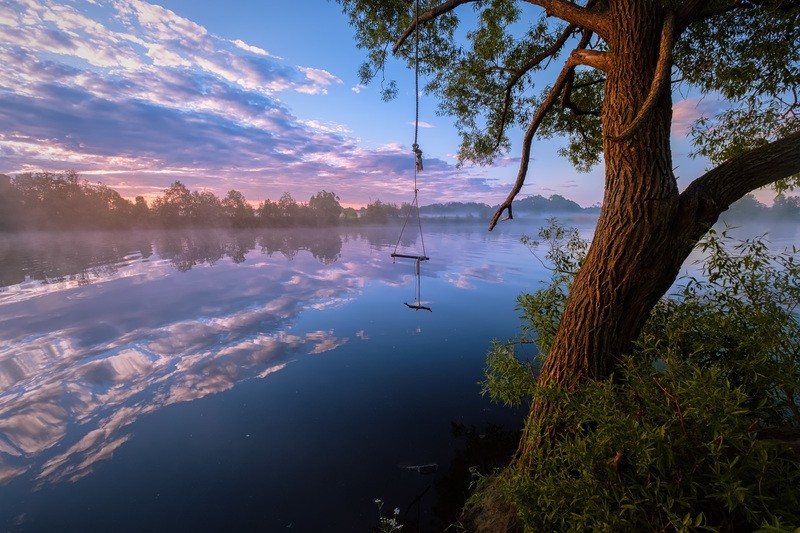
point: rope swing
(417, 169)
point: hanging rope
(418, 166)
(417, 169)
(415, 146)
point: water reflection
(86, 370)
(57, 258)
(80, 258)
(99, 330)
(465, 279)
(326, 244)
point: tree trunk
(637, 250)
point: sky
(261, 96)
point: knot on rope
(418, 157)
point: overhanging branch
(425, 16)
(589, 18)
(712, 193)
(527, 141)
(530, 133)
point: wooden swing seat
(416, 257)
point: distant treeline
(747, 208)
(46, 200)
(63, 201)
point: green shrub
(672, 441)
(741, 317)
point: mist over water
(183, 380)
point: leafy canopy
(488, 62)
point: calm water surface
(250, 381)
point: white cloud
(162, 23)
(320, 79)
(163, 56)
(327, 127)
(249, 48)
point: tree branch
(660, 79)
(712, 193)
(538, 117)
(586, 17)
(566, 94)
(527, 141)
(589, 83)
(592, 58)
(688, 12)
(424, 17)
(550, 52)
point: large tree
(325, 208)
(615, 66)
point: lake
(263, 380)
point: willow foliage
(689, 433)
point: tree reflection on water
(84, 256)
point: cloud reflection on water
(464, 279)
(81, 362)
(100, 329)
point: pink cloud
(686, 112)
(138, 96)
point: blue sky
(258, 96)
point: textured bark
(635, 254)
